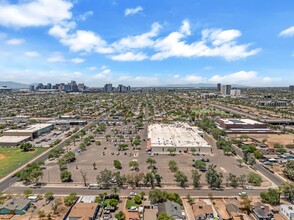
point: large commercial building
(181, 136)
(291, 88)
(13, 141)
(235, 92)
(33, 132)
(226, 89)
(239, 126)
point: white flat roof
(175, 135)
(32, 128)
(13, 139)
(240, 121)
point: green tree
(242, 179)
(156, 196)
(213, 177)
(83, 146)
(198, 164)
(70, 199)
(181, 178)
(289, 170)
(196, 178)
(26, 147)
(65, 176)
(288, 190)
(246, 204)
(113, 203)
(49, 196)
(254, 178)
(104, 177)
(151, 162)
(173, 165)
(193, 150)
(27, 192)
(158, 179)
(172, 151)
(134, 165)
(149, 179)
(164, 216)
(120, 216)
(137, 199)
(117, 164)
(234, 180)
(272, 196)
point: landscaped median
(12, 158)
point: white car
(133, 194)
(242, 193)
(249, 187)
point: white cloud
(176, 76)
(289, 32)
(15, 41)
(34, 13)
(132, 11)
(103, 74)
(223, 45)
(84, 16)
(80, 40)
(31, 54)
(138, 41)
(92, 68)
(130, 56)
(77, 60)
(56, 59)
(185, 29)
(242, 76)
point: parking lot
(104, 155)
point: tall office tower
(226, 89)
(129, 88)
(40, 86)
(74, 86)
(235, 92)
(32, 88)
(81, 86)
(218, 87)
(108, 88)
(48, 86)
(291, 88)
(120, 88)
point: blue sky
(147, 42)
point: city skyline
(146, 43)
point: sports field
(12, 158)
(209, 111)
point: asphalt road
(272, 176)
(126, 192)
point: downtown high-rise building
(218, 87)
(291, 88)
(226, 89)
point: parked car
(242, 193)
(133, 193)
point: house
(17, 206)
(202, 210)
(83, 211)
(234, 211)
(172, 209)
(150, 214)
(288, 211)
(262, 212)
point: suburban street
(126, 192)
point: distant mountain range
(198, 85)
(14, 85)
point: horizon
(146, 43)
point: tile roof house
(83, 211)
(262, 212)
(172, 209)
(234, 211)
(202, 210)
(16, 206)
(288, 211)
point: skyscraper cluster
(69, 87)
(120, 88)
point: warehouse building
(246, 126)
(13, 141)
(181, 136)
(33, 132)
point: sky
(147, 42)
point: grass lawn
(12, 158)
(130, 203)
